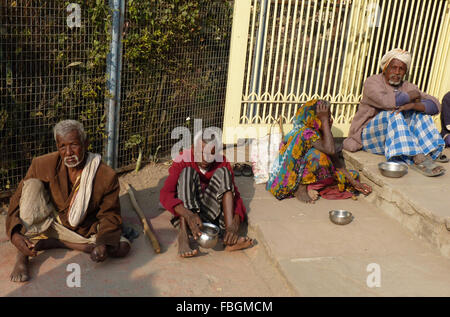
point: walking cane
(147, 229)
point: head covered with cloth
(303, 161)
(396, 53)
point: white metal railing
(296, 50)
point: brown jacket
(103, 209)
(377, 96)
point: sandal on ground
(426, 168)
(247, 170)
(237, 169)
(442, 158)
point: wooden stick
(147, 229)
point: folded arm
(406, 101)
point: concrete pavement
(299, 251)
(144, 273)
(320, 258)
(402, 227)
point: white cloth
(39, 216)
(396, 53)
(263, 152)
(35, 207)
(83, 195)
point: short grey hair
(64, 127)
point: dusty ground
(143, 273)
(299, 252)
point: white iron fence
(286, 52)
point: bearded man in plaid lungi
(394, 118)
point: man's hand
(23, 244)
(414, 95)
(99, 253)
(323, 111)
(195, 224)
(406, 107)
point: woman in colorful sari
(307, 165)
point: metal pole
(118, 86)
(113, 76)
(259, 50)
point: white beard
(394, 83)
(77, 161)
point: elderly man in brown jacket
(68, 199)
(394, 118)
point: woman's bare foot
(184, 249)
(313, 194)
(20, 270)
(302, 194)
(242, 243)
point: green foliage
(54, 73)
(133, 141)
(162, 25)
(51, 75)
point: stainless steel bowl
(341, 217)
(392, 169)
(209, 236)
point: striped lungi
(401, 136)
(206, 202)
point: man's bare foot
(427, 165)
(20, 270)
(242, 243)
(313, 194)
(302, 194)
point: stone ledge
(418, 202)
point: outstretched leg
(52, 243)
(116, 252)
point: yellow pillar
(236, 68)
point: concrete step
(419, 203)
(319, 258)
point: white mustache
(393, 82)
(73, 157)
